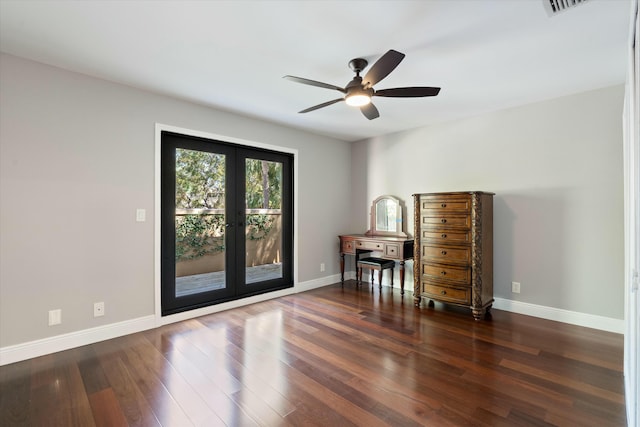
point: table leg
(402, 277)
(342, 268)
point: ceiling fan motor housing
(358, 65)
(355, 87)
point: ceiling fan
(358, 92)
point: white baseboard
(572, 317)
(321, 282)
(28, 350)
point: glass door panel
(196, 235)
(200, 222)
(263, 231)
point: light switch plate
(141, 215)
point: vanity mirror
(387, 214)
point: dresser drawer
(392, 250)
(441, 205)
(461, 276)
(369, 246)
(458, 221)
(447, 236)
(348, 247)
(446, 293)
(446, 254)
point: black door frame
(235, 215)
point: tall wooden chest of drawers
(453, 250)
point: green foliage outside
(199, 180)
(200, 185)
(263, 184)
(198, 235)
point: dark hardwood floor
(329, 357)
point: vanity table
(393, 248)
(385, 237)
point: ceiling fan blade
(408, 92)
(381, 69)
(370, 111)
(314, 83)
(324, 104)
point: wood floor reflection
(329, 357)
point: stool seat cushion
(379, 262)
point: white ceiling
(484, 54)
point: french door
(226, 221)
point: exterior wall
(259, 252)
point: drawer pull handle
(444, 273)
(443, 220)
(443, 292)
(443, 252)
(444, 205)
(444, 236)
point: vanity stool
(378, 264)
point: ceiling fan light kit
(359, 91)
(357, 100)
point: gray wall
(556, 169)
(77, 159)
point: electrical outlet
(322, 266)
(55, 317)
(515, 287)
(98, 309)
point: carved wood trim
(416, 250)
(476, 251)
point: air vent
(553, 7)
